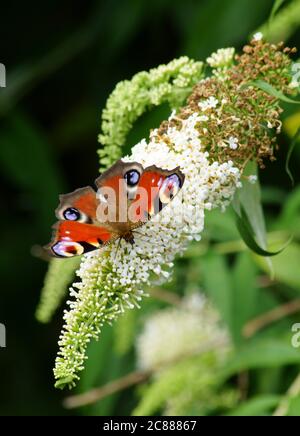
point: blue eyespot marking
(132, 177)
(72, 214)
(67, 249)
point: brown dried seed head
(247, 111)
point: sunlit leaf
(291, 123)
(248, 236)
(294, 406)
(249, 216)
(276, 6)
(249, 198)
(286, 265)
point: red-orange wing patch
(142, 192)
(72, 238)
(159, 187)
(83, 200)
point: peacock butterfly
(127, 196)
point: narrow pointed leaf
(295, 139)
(247, 234)
(269, 89)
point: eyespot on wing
(71, 238)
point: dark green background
(63, 59)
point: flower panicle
(225, 123)
(171, 334)
(184, 347)
(131, 98)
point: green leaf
(246, 294)
(125, 331)
(247, 234)
(269, 89)
(250, 217)
(58, 277)
(218, 284)
(294, 406)
(286, 266)
(217, 229)
(290, 216)
(268, 380)
(261, 354)
(289, 154)
(276, 6)
(249, 197)
(282, 23)
(257, 406)
(210, 15)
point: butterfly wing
(73, 238)
(80, 205)
(127, 196)
(159, 187)
(78, 230)
(137, 194)
(116, 189)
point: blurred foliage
(58, 79)
(59, 275)
(281, 26)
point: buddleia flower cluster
(227, 121)
(177, 332)
(167, 83)
(184, 348)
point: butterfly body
(127, 197)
